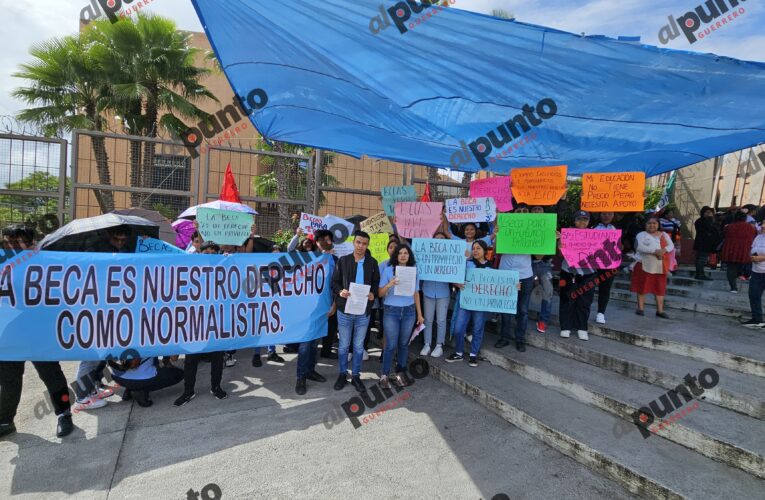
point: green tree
(151, 68)
(31, 209)
(67, 91)
(138, 69)
(287, 178)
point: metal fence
(32, 181)
(116, 171)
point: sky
(28, 22)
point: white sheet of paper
(358, 300)
(416, 331)
(407, 281)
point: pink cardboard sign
(591, 248)
(415, 219)
(494, 187)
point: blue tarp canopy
(457, 82)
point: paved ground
(266, 442)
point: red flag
(229, 192)
(426, 195)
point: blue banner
(87, 306)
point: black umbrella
(83, 235)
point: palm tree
(286, 173)
(151, 67)
(67, 88)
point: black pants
(329, 339)
(701, 261)
(604, 294)
(576, 294)
(12, 376)
(190, 370)
(733, 271)
(166, 376)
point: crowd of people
(649, 246)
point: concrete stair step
(740, 299)
(684, 281)
(736, 391)
(717, 307)
(717, 340)
(739, 443)
(653, 468)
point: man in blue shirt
(358, 267)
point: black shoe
(127, 395)
(521, 346)
(358, 384)
(329, 355)
(275, 358)
(640, 312)
(454, 357)
(300, 387)
(501, 343)
(662, 315)
(753, 324)
(64, 426)
(342, 379)
(316, 377)
(256, 361)
(142, 398)
(473, 360)
(288, 349)
(6, 429)
(218, 393)
(184, 398)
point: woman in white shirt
(650, 274)
(757, 280)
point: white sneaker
(90, 403)
(365, 356)
(104, 392)
(437, 352)
(230, 360)
(600, 319)
(734, 291)
(565, 333)
(582, 334)
(425, 350)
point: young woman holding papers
(464, 315)
(399, 290)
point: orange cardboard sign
(613, 192)
(539, 185)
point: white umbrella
(191, 212)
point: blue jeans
(756, 287)
(521, 315)
(435, 309)
(463, 317)
(399, 323)
(306, 362)
(351, 326)
(545, 311)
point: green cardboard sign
(527, 234)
